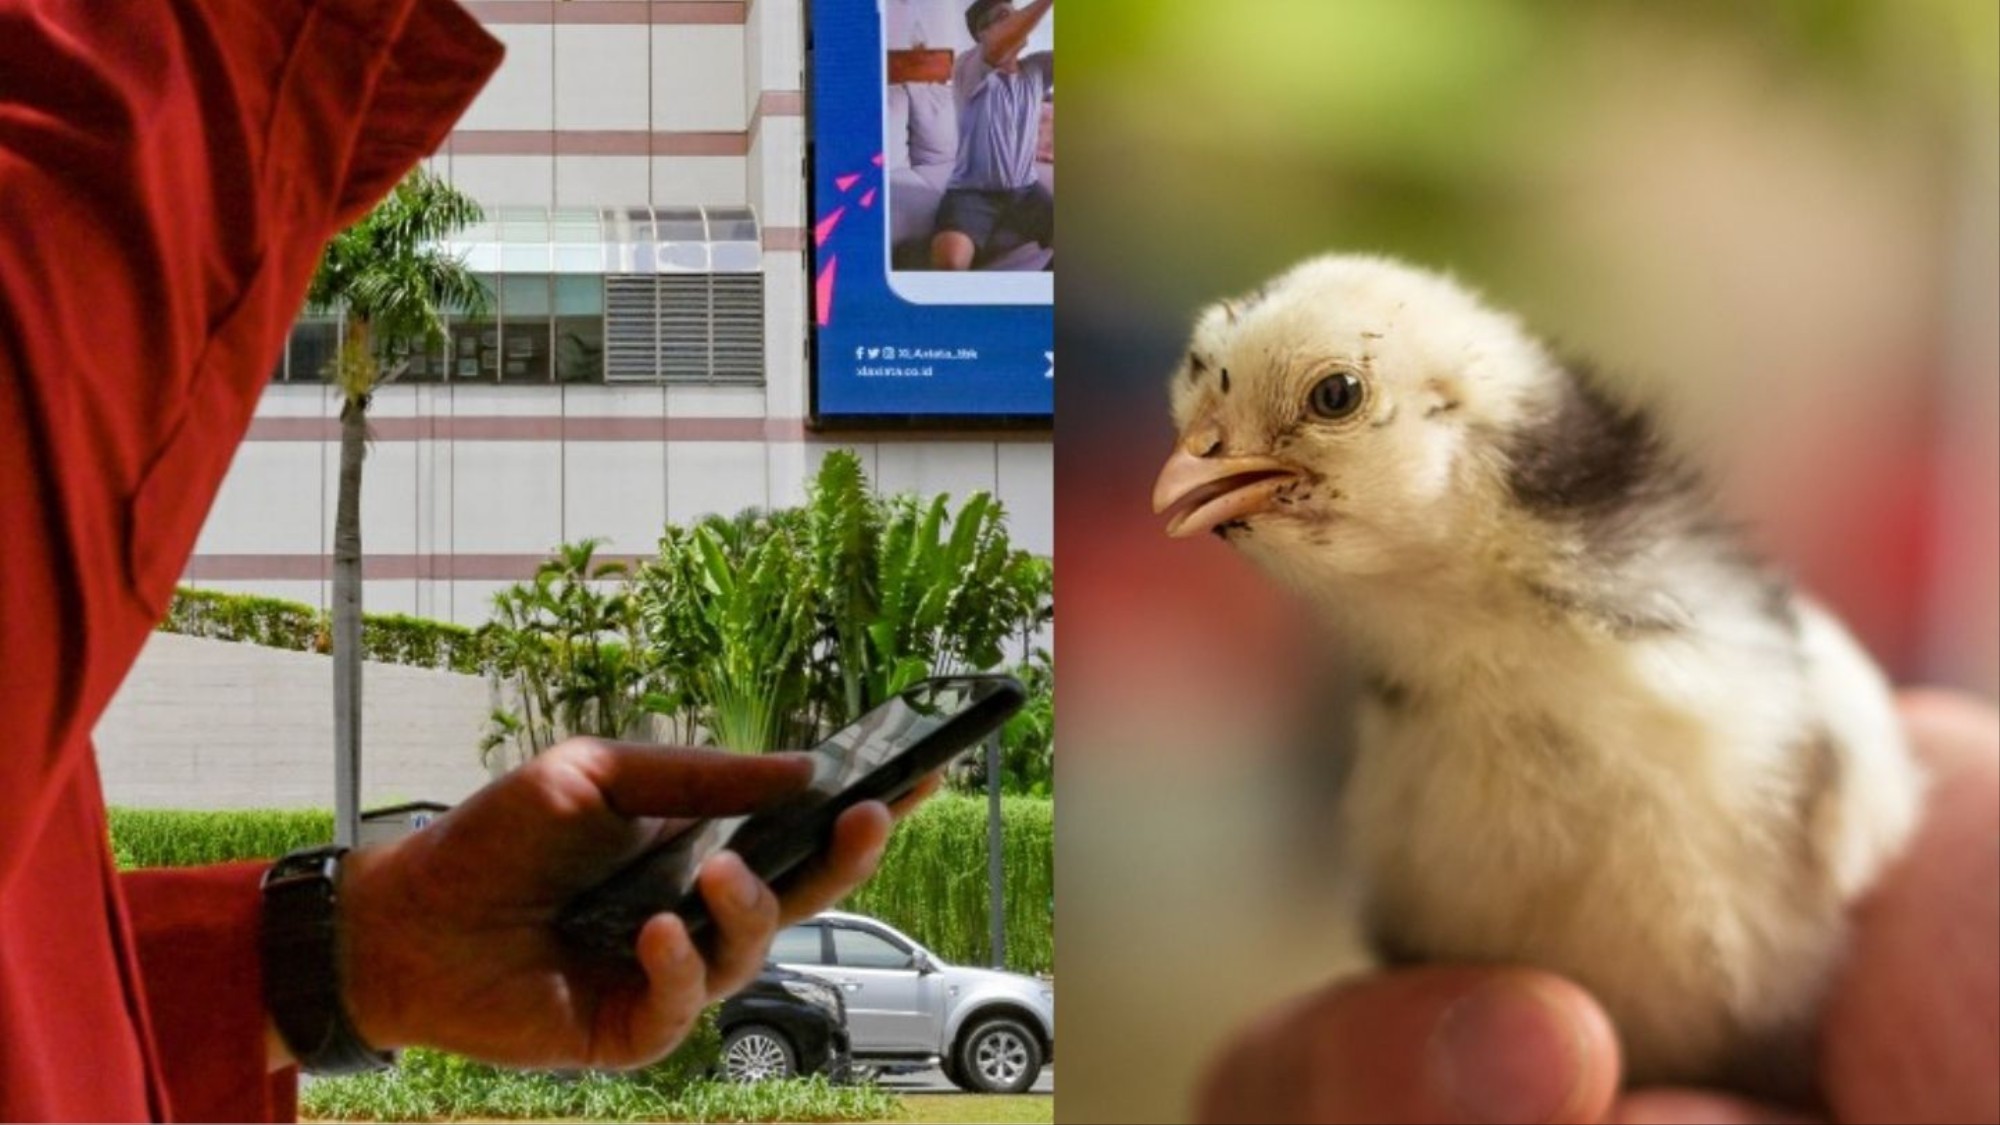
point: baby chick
(1597, 736)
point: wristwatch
(302, 980)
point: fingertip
(861, 836)
(1524, 1046)
(665, 946)
(728, 883)
(1437, 1043)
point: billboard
(933, 204)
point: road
(933, 1081)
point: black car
(785, 1024)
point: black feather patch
(1593, 459)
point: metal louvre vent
(631, 338)
(684, 328)
(739, 327)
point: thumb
(1439, 1044)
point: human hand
(1910, 1031)
(447, 935)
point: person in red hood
(169, 170)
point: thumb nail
(1507, 1052)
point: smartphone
(879, 757)
(920, 141)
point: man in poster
(1000, 92)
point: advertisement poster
(933, 203)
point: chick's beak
(1199, 490)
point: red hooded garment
(168, 172)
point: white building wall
(203, 724)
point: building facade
(643, 169)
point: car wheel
(998, 1056)
(755, 1053)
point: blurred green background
(1775, 220)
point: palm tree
(393, 280)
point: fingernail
(680, 949)
(743, 890)
(1507, 1052)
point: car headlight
(821, 996)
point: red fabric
(168, 172)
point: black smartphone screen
(879, 756)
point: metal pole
(996, 900)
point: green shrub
(392, 638)
(243, 617)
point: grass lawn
(978, 1110)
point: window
(645, 295)
(315, 341)
(857, 949)
(579, 329)
(524, 328)
(799, 945)
(475, 341)
(426, 361)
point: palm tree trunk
(347, 624)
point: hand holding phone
(879, 757)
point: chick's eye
(1336, 396)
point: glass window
(856, 949)
(681, 224)
(315, 340)
(799, 945)
(426, 361)
(579, 329)
(475, 341)
(732, 224)
(524, 329)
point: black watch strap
(302, 980)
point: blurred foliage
(1245, 135)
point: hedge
(932, 884)
(388, 638)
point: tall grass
(181, 838)
(932, 884)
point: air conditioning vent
(684, 328)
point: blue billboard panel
(933, 204)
